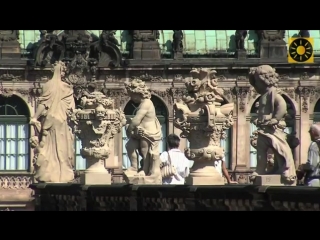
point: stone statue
(144, 133)
(304, 33)
(274, 154)
(54, 143)
(96, 125)
(177, 45)
(106, 50)
(50, 49)
(240, 36)
(203, 122)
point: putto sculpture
(96, 124)
(203, 122)
(54, 140)
(144, 133)
(275, 163)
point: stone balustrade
(122, 197)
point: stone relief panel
(15, 182)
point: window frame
(16, 120)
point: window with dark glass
(14, 134)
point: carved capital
(178, 93)
(241, 94)
(304, 94)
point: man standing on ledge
(178, 160)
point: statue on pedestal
(96, 124)
(54, 142)
(203, 122)
(177, 44)
(274, 155)
(144, 133)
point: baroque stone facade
(166, 82)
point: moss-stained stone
(196, 42)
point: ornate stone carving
(164, 94)
(283, 77)
(96, 124)
(178, 77)
(304, 76)
(147, 77)
(228, 94)
(203, 121)
(110, 78)
(178, 93)
(290, 91)
(240, 36)
(10, 77)
(274, 154)
(143, 128)
(118, 95)
(106, 50)
(177, 44)
(50, 48)
(8, 92)
(304, 93)
(242, 78)
(53, 142)
(253, 94)
(314, 94)
(15, 182)
(241, 93)
(145, 44)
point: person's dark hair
(173, 141)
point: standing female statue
(54, 158)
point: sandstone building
(162, 58)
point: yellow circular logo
(300, 50)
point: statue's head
(59, 67)
(263, 77)
(100, 112)
(137, 90)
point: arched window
(81, 163)
(316, 113)
(162, 114)
(14, 134)
(290, 123)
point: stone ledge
(123, 197)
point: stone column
(241, 129)
(304, 96)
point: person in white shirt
(178, 160)
(221, 168)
